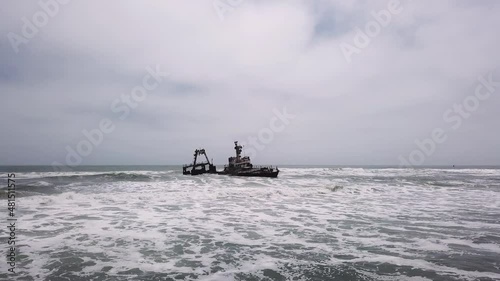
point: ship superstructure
(242, 166)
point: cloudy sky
(233, 64)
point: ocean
(311, 223)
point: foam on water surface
(308, 224)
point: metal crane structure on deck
(199, 168)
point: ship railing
(256, 167)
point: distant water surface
(311, 223)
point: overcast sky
(230, 70)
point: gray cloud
(228, 76)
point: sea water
(311, 223)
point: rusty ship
(238, 166)
(198, 168)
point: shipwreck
(238, 166)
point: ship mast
(238, 149)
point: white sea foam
(193, 224)
(42, 183)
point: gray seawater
(311, 223)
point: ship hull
(257, 173)
(266, 175)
